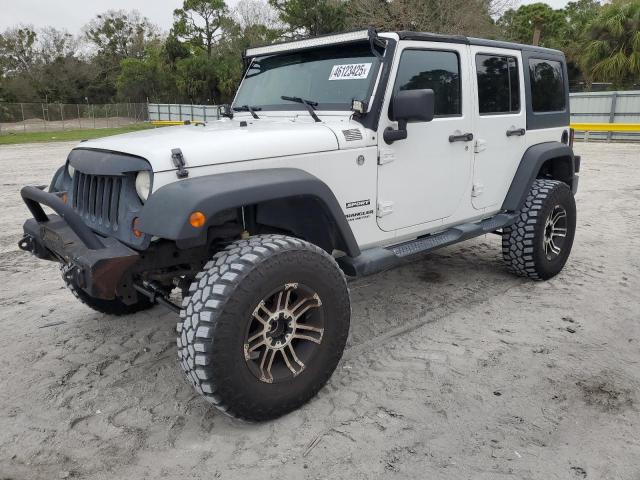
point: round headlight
(71, 170)
(143, 185)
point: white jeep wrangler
(342, 155)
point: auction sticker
(353, 71)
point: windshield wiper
(250, 109)
(311, 106)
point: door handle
(465, 137)
(516, 132)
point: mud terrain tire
(216, 320)
(535, 246)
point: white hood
(222, 141)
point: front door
(425, 177)
(500, 123)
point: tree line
(122, 56)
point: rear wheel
(264, 326)
(538, 244)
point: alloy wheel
(555, 231)
(284, 333)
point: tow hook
(31, 245)
(73, 274)
(26, 244)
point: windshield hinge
(178, 161)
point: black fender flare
(56, 181)
(530, 164)
(166, 212)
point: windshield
(331, 77)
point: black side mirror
(410, 106)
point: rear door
(500, 123)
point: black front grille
(97, 198)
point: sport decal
(359, 203)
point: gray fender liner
(167, 211)
(530, 165)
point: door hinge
(386, 156)
(480, 146)
(477, 190)
(384, 208)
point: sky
(72, 15)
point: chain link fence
(43, 117)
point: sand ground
(454, 368)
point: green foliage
(469, 17)
(578, 16)
(147, 78)
(117, 34)
(196, 78)
(173, 50)
(311, 17)
(18, 50)
(563, 29)
(201, 22)
(612, 48)
(41, 65)
(519, 25)
(67, 79)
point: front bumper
(96, 264)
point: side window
(436, 70)
(547, 85)
(498, 84)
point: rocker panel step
(427, 243)
(451, 236)
(376, 259)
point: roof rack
(372, 36)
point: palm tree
(612, 49)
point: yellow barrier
(606, 127)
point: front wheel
(538, 244)
(115, 307)
(264, 326)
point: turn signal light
(134, 227)
(197, 219)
